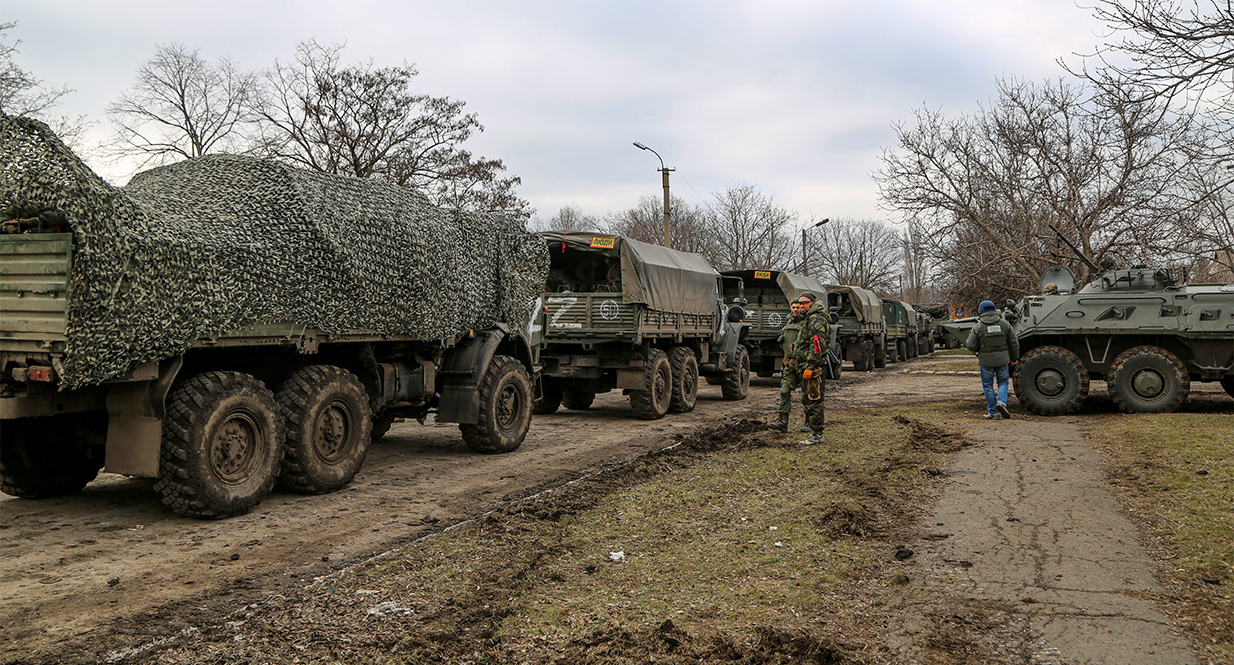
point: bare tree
(1101, 168)
(23, 94)
(182, 106)
(569, 219)
(751, 230)
(865, 253)
(645, 222)
(364, 121)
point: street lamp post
(805, 266)
(665, 171)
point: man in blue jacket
(996, 346)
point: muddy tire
(381, 424)
(53, 456)
(577, 400)
(1227, 382)
(736, 384)
(328, 425)
(222, 445)
(1051, 381)
(684, 394)
(1148, 379)
(651, 402)
(551, 394)
(880, 352)
(505, 408)
(866, 356)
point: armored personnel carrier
(1140, 329)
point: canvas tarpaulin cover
(665, 279)
(794, 285)
(866, 303)
(212, 245)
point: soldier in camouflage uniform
(790, 378)
(810, 352)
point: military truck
(1141, 329)
(897, 318)
(619, 314)
(227, 323)
(767, 294)
(913, 343)
(925, 332)
(862, 332)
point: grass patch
(948, 366)
(953, 352)
(739, 545)
(1176, 471)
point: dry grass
(738, 545)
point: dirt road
(110, 569)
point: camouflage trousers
(790, 380)
(814, 407)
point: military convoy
(862, 333)
(622, 314)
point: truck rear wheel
(684, 365)
(880, 352)
(1051, 381)
(53, 456)
(737, 380)
(328, 422)
(550, 398)
(867, 356)
(505, 408)
(577, 400)
(1148, 379)
(651, 403)
(222, 445)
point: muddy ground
(92, 577)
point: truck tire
(222, 445)
(901, 350)
(53, 456)
(328, 425)
(684, 365)
(1227, 382)
(505, 408)
(651, 403)
(736, 383)
(550, 398)
(381, 424)
(880, 352)
(1051, 381)
(577, 400)
(913, 350)
(1148, 379)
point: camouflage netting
(211, 245)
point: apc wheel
(684, 365)
(651, 402)
(505, 408)
(550, 398)
(53, 456)
(1051, 381)
(736, 384)
(329, 424)
(222, 445)
(1148, 379)
(880, 352)
(381, 424)
(578, 400)
(1228, 383)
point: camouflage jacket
(813, 343)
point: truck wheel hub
(1147, 383)
(1051, 382)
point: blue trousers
(988, 375)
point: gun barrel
(1077, 251)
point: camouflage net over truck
(211, 245)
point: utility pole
(664, 170)
(805, 266)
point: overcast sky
(796, 97)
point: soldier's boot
(781, 424)
(815, 438)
